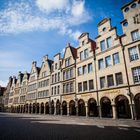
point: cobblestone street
(41, 127)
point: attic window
(125, 24)
(126, 9)
(83, 42)
(104, 29)
(133, 5)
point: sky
(30, 29)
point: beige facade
(100, 78)
(56, 89)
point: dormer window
(126, 9)
(56, 66)
(83, 42)
(104, 29)
(125, 24)
(67, 62)
(133, 5)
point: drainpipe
(127, 77)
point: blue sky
(30, 29)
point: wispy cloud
(44, 15)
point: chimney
(34, 63)
(45, 58)
(68, 45)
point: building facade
(99, 78)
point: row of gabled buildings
(99, 78)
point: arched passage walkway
(26, 110)
(137, 105)
(72, 108)
(42, 108)
(81, 108)
(92, 108)
(30, 108)
(47, 108)
(37, 108)
(106, 107)
(52, 107)
(34, 107)
(64, 108)
(57, 107)
(122, 107)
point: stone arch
(58, 105)
(106, 108)
(30, 108)
(26, 108)
(72, 108)
(64, 108)
(137, 105)
(47, 108)
(52, 107)
(81, 108)
(122, 107)
(34, 107)
(42, 108)
(92, 108)
(37, 108)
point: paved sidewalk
(75, 120)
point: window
(135, 35)
(108, 61)
(71, 87)
(67, 62)
(116, 58)
(86, 53)
(101, 64)
(67, 88)
(89, 67)
(126, 9)
(55, 90)
(58, 76)
(91, 85)
(83, 42)
(55, 77)
(104, 29)
(56, 66)
(71, 73)
(64, 75)
(85, 85)
(133, 55)
(125, 24)
(119, 79)
(81, 55)
(52, 90)
(102, 82)
(102, 44)
(133, 5)
(64, 88)
(79, 87)
(52, 78)
(110, 80)
(79, 71)
(58, 89)
(84, 69)
(136, 74)
(109, 42)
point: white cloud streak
(45, 15)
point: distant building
(2, 90)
